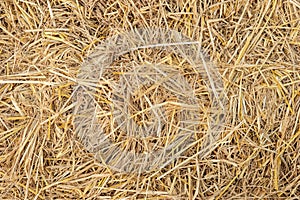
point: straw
(254, 46)
(140, 114)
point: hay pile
(256, 46)
(144, 90)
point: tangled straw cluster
(141, 115)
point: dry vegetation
(256, 46)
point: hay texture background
(256, 46)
